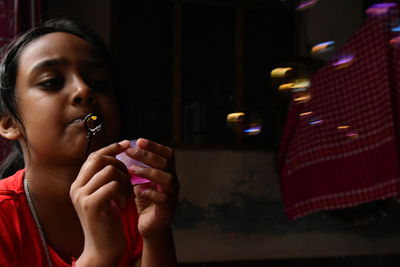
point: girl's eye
(53, 83)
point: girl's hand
(102, 184)
(156, 201)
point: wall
(330, 21)
(96, 14)
(231, 209)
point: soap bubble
(306, 4)
(395, 28)
(352, 134)
(343, 127)
(348, 131)
(380, 9)
(301, 97)
(298, 85)
(301, 85)
(306, 114)
(285, 87)
(323, 47)
(254, 129)
(343, 61)
(395, 42)
(315, 121)
(235, 117)
(281, 72)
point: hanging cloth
(340, 148)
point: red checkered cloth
(323, 167)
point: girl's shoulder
(11, 187)
(19, 241)
(12, 199)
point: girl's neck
(49, 187)
(50, 182)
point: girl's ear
(9, 127)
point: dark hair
(9, 68)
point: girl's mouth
(77, 121)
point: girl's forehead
(58, 45)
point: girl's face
(61, 79)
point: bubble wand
(93, 124)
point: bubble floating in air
(281, 72)
(348, 131)
(298, 85)
(253, 129)
(235, 117)
(301, 97)
(352, 134)
(323, 47)
(315, 121)
(395, 42)
(343, 61)
(301, 85)
(285, 86)
(380, 9)
(343, 127)
(395, 28)
(306, 4)
(306, 114)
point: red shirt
(20, 243)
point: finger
(113, 149)
(154, 147)
(102, 197)
(108, 174)
(95, 160)
(94, 164)
(166, 180)
(152, 195)
(147, 157)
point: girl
(64, 207)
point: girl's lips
(80, 118)
(77, 121)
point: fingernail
(134, 169)
(124, 143)
(143, 141)
(132, 151)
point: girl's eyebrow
(48, 63)
(63, 61)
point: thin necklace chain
(37, 221)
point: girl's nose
(82, 93)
